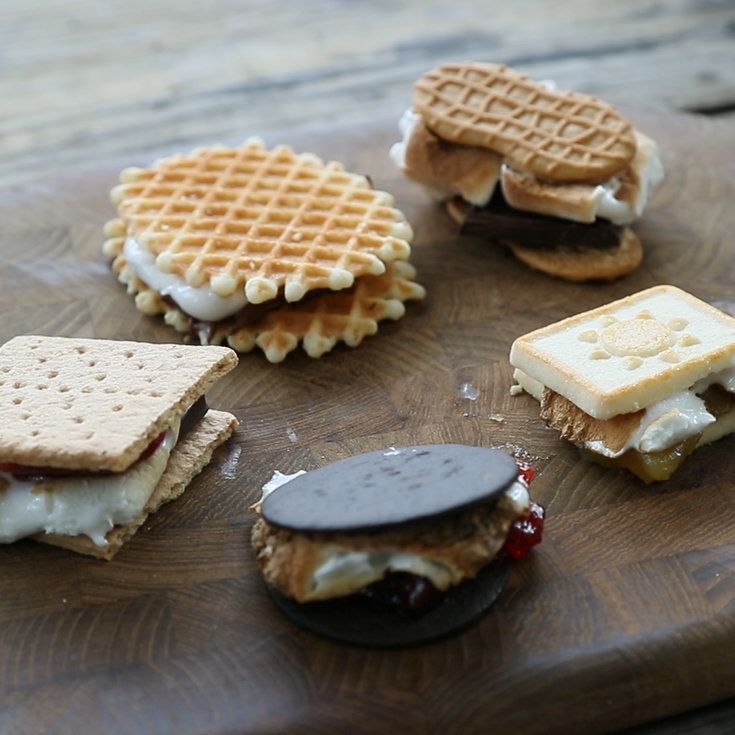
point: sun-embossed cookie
(558, 136)
(639, 383)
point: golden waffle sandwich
(639, 383)
(230, 243)
(97, 434)
(558, 177)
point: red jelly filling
(25, 473)
(526, 471)
(403, 591)
(526, 532)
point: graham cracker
(188, 459)
(469, 171)
(88, 404)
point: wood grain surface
(84, 80)
(626, 613)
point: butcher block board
(625, 613)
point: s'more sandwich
(256, 247)
(97, 434)
(556, 176)
(396, 546)
(639, 383)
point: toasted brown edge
(584, 265)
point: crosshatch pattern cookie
(559, 136)
(318, 323)
(268, 222)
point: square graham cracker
(94, 404)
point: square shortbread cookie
(630, 353)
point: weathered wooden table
(90, 85)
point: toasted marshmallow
(620, 200)
(445, 169)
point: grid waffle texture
(318, 323)
(559, 136)
(88, 404)
(271, 222)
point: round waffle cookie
(559, 136)
(273, 223)
(318, 323)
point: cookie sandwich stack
(255, 247)
(558, 177)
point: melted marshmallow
(199, 302)
(409, 120)
(278, 479)
(81, 505)
(355, 569)
(664, 424)
(620, 212)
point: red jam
(403, 591)
(26, 473)
(527, 471)
(525, 533)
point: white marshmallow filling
(200, 302)
(81, 505)
(665, 423)
(344, 571)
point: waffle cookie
(318, 323)
(218, 238)
(388, 568)
(639, 383)
(545, 171)
(98, 434)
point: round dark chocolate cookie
(356, 620)
(390, 487)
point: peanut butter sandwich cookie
(573, 172)
(399, 546)
(255, 247)
(639, 383)
(97, 434)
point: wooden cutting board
(625, 613)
